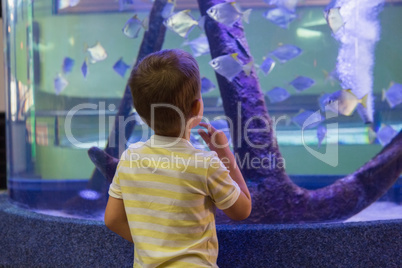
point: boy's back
(170, 190)
(164, 193)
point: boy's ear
(195, 107)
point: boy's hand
(215, 139)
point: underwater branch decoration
(276, 199)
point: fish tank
(326, 73)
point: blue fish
(393, 95)
(84, 68)
(121, 67)
(168, 9)
(267, 65)
(60, 83)
(132, 27)
(277, 94)
(302, 83)
(288, 4)
(199, 46)
(386, 134)
(229, 66)
(68, 65)
(310, 118)
(321, 133)
(323, 101)
(219, 102)
(206, 85)
(280, 16)
(286, 52)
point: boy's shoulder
(126, 154)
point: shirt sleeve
(223, 190)
(114, 188)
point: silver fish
(67, 3)
(97, 53)
(277, 94)
(229, 66)
(60, 83)
(334, 19)
(168, 9)
(393, 95)
(344, 102)
(182, 23)
(132, 27)
(228, 13)
(199, 46)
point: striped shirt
(170, 191)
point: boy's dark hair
(165, 77)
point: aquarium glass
(67, 63)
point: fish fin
(349, 91)
(234, 55)
(248, 67)
(145, 23)
(201, 23)
(371, 135)
(363, 101)
(246, 15)
(383, 94)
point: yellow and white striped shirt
(170, 191)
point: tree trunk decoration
(276, 199)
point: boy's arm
(218, 142)
(116, 219)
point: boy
(164, 193)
